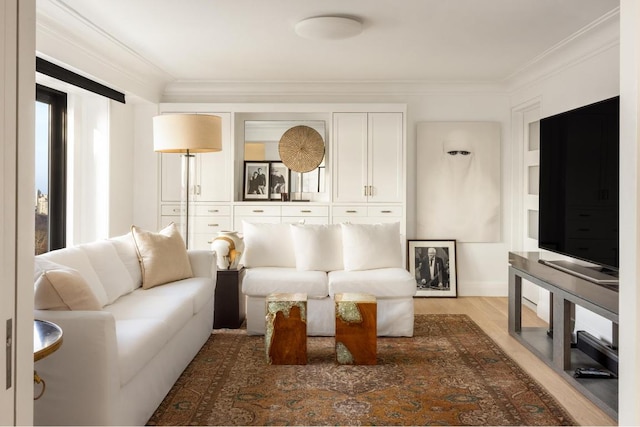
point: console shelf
(566, 290)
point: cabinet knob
(385, 211)
(258, 210)
(213, 225)
(213, 210)
(351, 211)
(305, 211)
(176, 210)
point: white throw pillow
(113, 274)
(267, 245)
(64, 289)
(317, 247)
(74, 258)
(163, 256)
(370, 246)
(126, 248)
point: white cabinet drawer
(168, 219)
(171, 210)
(349, 211)
(257, 210)
(305, 211)
(395, 211)
(211, 224)
(212, 210)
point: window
(50, 167)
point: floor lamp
(186, 134)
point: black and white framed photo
(433, 265)
(256, 180)
(278, 180)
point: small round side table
(47, 338)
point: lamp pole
(187, 159)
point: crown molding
(235, 91)
(594, 39)
(96, 54)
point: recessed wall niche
(260, 143)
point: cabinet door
(385, 157)
(349, 157)
(214, 169)
(170, 177)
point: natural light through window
(42, 178)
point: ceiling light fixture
(328, 28)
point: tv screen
(579, 182)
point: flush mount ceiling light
(328, 28)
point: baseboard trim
(483, 289)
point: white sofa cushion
(317, 247)
(77, 259)
(371, 246)
(126, 248)
(262, 281)
(267, 245)
(382, 283)
(198, 289)
(163, 256)
(113, 274)
(64, 289)
(174, 312)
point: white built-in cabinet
(365, 166)
(209, 189)
(211, 174)
(368, 157)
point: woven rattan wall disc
(301, 149)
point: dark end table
(229, 305)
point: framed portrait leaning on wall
(433, 265)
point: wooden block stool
(286, 331)
(356, 329)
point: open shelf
(557, 351)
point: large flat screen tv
(579, 183)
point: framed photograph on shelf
(278, 180)
(433, 265)
(256, 180)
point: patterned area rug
(449, 373)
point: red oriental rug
(449, 373)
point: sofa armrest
(203, 263)
(82, 376)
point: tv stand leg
(562, 332)
(614, 336)
(550, 330)
(515, 302)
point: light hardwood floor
(490, 313)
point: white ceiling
(402, 40)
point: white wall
(481, 266)
(145, 173)
(629, 383)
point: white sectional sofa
(323, 260)
(123, 350)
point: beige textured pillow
(64, 289)
(163, 256)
